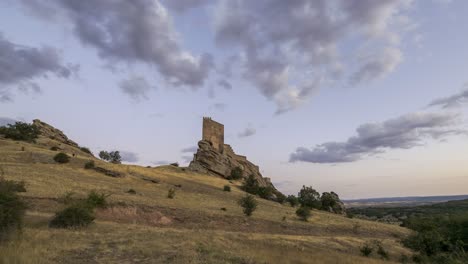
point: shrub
(249, 204)
(113, 156)
(223, 209)
(280, 198)
(227, 188)
(331, 202)
(86, 150)
(89, 165)
(77, 215)
(265, 192)
(175, 164)
(20, 131)
(62, 158)
(309, 197)
(171, 193)
(96, 200)
(303, 213)
(382, 252)
(292, 200)
(250, 185)
(236, 174)
(12, 186)
(131, 191)
(366, 250)
(12, 209)
(54, 148)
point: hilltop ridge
(201, 224)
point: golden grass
(150, 228)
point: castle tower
(213, 132)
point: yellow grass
(150, 228)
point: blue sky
(333, 94)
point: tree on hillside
(113, 156)
(20, 131)
(250, 185)
(292, 200)
(249, 204)
(309, 197)
(331, 203)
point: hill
(403, 201)
(202, 224)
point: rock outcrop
(209, 160)
(51, 132)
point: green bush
(62, 158)
(236, 174)
(292, 200)
(12, 208)
(227, 188)
(86, 150)
(303, 213)
(309, 197)
(12, 186)
(265, 192)
(250, 185)
(366, 250)
(96, 200)
(77, 215)
(382, 252)
(20, 131)
(249, 204)
(280, 198)
(171, 193)
(89, 165)
(113, 156)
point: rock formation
(215, 157)
(51, 132)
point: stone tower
(213, 132)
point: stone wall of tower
(213, 132)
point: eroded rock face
(51, 132)
(222, 162)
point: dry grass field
(147, 227)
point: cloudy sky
(366, 98)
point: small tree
(292, 200)
(171, 193)
(62, 158)
(96, 200)
(366, 250)
(20, 131)
(236, 174)
(249, 204)
(250, 185)
(227, 188)
(303, 213)
(77, 215)
(89, 165)
(309, 197)
(86, 150)
(113, 156)
(12, 208)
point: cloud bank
(404, 132)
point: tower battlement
(213, 132)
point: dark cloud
(281, 40)
(128, 156)
(225, 84)
(455, 100)
(5, 121)
(249, 131)
(137, 31)
(404, 132)
(184, 5)
(21, 65)
(219, 107)
(136, 88)
(192, 149)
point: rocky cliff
(51, 132)
(222, 162)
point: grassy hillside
(147, 227)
